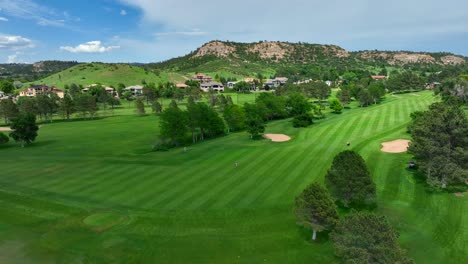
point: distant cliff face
(301, 52)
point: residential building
(274, 83)
(182, 86)
(379, 77)
(231, 85)
(216, 86)
(36, 90)
(135, 90)
(111, 91)
(200, 77)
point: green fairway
(93, 192)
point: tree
(376, 91)
(3, 139)
(235, 117)
(149, 93)
(27, 105)
(47, 105)
(314, 209)
(67, 106)
(336, 106)
(243, 87)
(173, 123)
(8, 109)
(303, 120)
(367, 238)
(364, 97)
(453, 88)
(297, 104)
(86, 104)
(275, 106)
(439, 144)
(344, 95)
(405, 81)
(156, 107)
(254, 121)
(349, 181)
(140, 107)
(24, 128)
(7, 86)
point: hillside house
(216, 86)
(275, 83)
(136, 90)
(231, 85)
(182, 86)
(111, 91)
(36, 90)
(200, 77)
(379, 77)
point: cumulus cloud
(90, 47)
(4, 19)
(123, 12)
(15, 42)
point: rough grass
(107, 74)
(196, 207)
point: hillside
(301, 59)
(107, 74)
(31, 72)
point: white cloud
(15, 42)
(182, 33)
(4, 19)
(29, 9)
(90, 47)
(329, 21)
(123, 12)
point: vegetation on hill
(107, 74)
(30, 72)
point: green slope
(195, 207)
(107, 74)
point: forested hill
(30, 72)
(291, 58)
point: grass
(195, 207)
(108, 74)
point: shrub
(3, 138)
(303, 120)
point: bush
(303, 120)
(3, 139)
(162, 146)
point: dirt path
(277, 137)
(5, 129)
(396, 146)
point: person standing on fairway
(348, 143)
(236, 164)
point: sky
(156, 30)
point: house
(216, 86)
(231, 85)
(275, 83)
(182, 86)
(378, 77)
(111, 91)
(200, 77)
(36, 90)
(135, 90)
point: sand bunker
(459, 194)
(5, 129)
(396, 146)
(277, 137)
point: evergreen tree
(235, 117)
(440, 144)
(336, 106)
(349, 180)
(367, 238)
(314, 209)
(67, 106)
(140, 107)
(24, 128)
(173, 123)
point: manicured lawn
(196, 207)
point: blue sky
(155, 30)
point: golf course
(93, 191)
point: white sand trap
(459, 195)
(396, 146)
(5, 129)
(277, 137)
